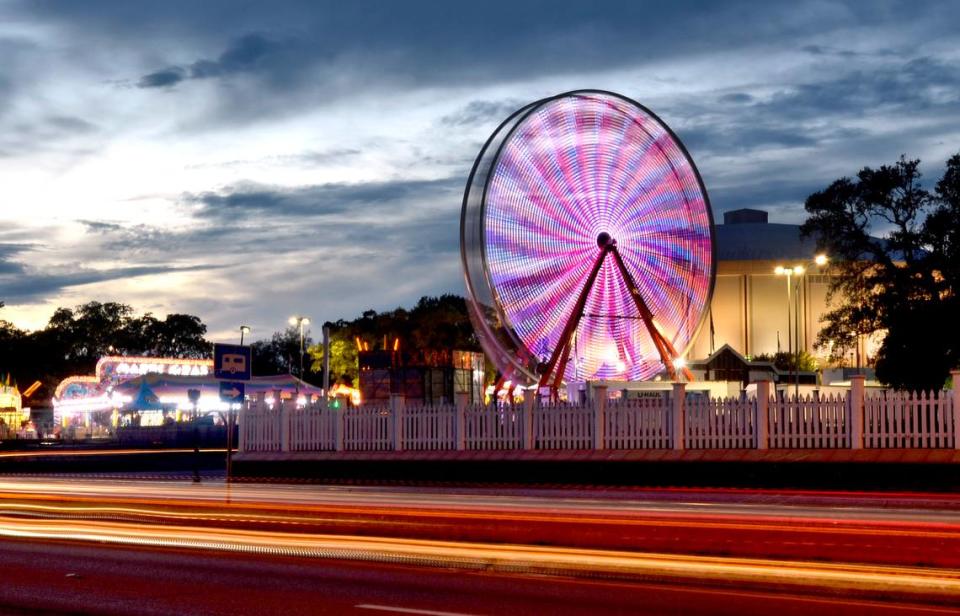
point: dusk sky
(245, 161)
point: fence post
(955, 375)
(285, 424)
(856, 411)
(679, 408)
(241, 414)
(396, 420)
(529, 400)
(339, 419)
(763, 415)
(459, 421)
(599, 415)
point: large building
(750, 311)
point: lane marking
(407, 610)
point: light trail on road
(452, 499)
(866, 534)
(876, 582)
(863, 549)
(71, 453)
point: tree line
(75, 338)
(433, 323)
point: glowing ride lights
(134, 369)
(111, 367)
(587, 243)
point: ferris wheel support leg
(496, 387)
(572, 322)
(667, 351)
(561, 366)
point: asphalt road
(881, 529)
(138, 546)
(69, 578)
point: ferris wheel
(587, 243)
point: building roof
(167, 384)
(757, 241)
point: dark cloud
(69, 124)
(482, 112)
(737, 98)
(332, 49)
(7, 265)
(62, 134)
(32, 286)
(815, 114)
(242, 55)
(913, 86)
(100, 226)
(740, 139)
(163, 78)
(251, 201)
(321, 157)
(825, 50)
(764, 194)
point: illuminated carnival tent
(146, 400)
(587, 243)
(94, 401)
(11, 409)
(174, 390)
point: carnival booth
(12, 412)
(149, 391)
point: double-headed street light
(300, 321)
(793, 288)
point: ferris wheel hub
(604, 240)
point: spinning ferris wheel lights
(558, 181)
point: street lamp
(789, 272)
(300, 321)
(244, 329)
(794, 288)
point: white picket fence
(367, 428)
(806, 422)
(679, 421)
(490, 427)
(643, 423)
(311, 429)
(259, 428)
(904, 419)
(719, 423)
(561, 426)
(428, 428)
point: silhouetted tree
(75, 338)
(281, 355)
(903, 283)
(433, 323)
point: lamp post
(789, 272)
(300, 321)
(244, 329)
(793, 275)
